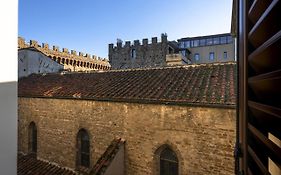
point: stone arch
(78, 63)
(66, 61)
(59, 60)
(157, 149)
(63, 60)
(88, 64)
(74, 62)
(70, 62)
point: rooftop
(202, 37)
(204, 85)
(30, 165)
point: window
(187, 44)
(212, 56)
(195, 43)
(225, 55)
(196, 57)
(209, 41)
(181, 44)
(168, 162)
(216, 40)
(223, 40)
(229, 39)
(83, 144)
(32, 138)
(133, 53)
(202, 42)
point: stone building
(209, 49)
(147, 54)
(70, 61)
(178, 119)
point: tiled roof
(29, 165)
(105, 160)
(205, 84)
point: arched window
(32, 138)
(168, 162)
(83, 147)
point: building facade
(166, 125)
(209, 49)
(70, 61)
(143, 55)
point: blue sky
(90, 25)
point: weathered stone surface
(70, 61)
(203, 138)
(146, 55)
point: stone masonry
(70, 60)
(139, 55)
(202, 137)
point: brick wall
(202, 138)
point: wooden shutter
(259, 40)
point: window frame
(225, 55)
(83, 156)
(133, 53)
(32, 138)
(212, 56)
(168, 164)
(196, 57)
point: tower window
(133, 53)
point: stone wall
(70, 59)
(146, 54)
(203, 138)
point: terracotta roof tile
(29, 165)
(206, 84)
(105, 160)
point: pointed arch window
(83, 144)
(32, 138)
(168, 162)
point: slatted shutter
(259, 40)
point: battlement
(55, 51)
(145, 42)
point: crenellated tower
(137, 55)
